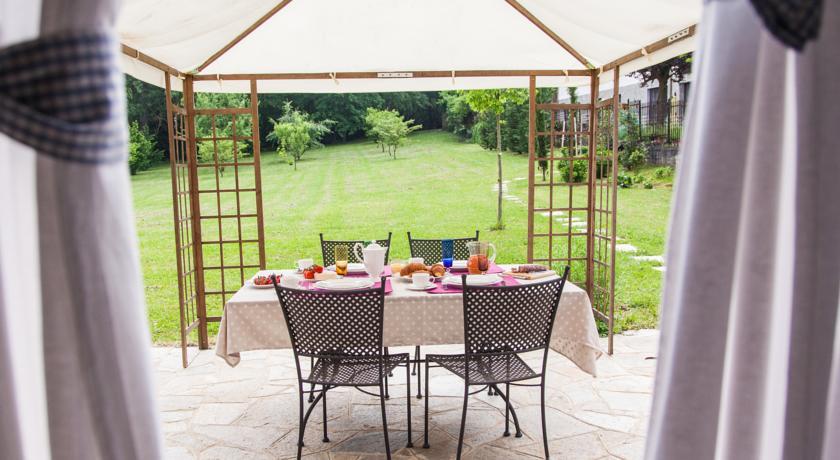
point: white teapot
(372, 256)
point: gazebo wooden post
(198, 257)
(592, 174)
(616, 118)
(255, 133)
(532, 134)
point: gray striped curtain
(749, 360)
(74, 342)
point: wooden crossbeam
(145, 58)
(546, 30)
(655, 46)
(242, 35)
(372, 75)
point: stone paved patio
(212, 411)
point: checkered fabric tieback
(62, 95)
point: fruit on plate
(309, 273)
(318, 268)
(262, 280)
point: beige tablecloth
(253, 320)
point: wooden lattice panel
(561, 199)
(182, 207)
(229, 207)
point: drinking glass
(448, 253)
(341, 257)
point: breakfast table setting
(423, 303)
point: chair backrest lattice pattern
(510, 318)
(328, 249)
(431, 250)
(334, 323)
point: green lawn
(437, 187)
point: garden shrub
(578, 172)
(663, 172)
(632, 159)
(296, 133)
(624, 181)
(141, 149)
(648, 185)
(207, 153)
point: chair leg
(463, 420)
(542, 414)
(417, 368)
(300, 421)
(384, 421)
(311, 387)
(389, 374)
(410, 443)
(426, 413)
(507, 411)
(324, 406)
(490, 391)
(305, 418)
(509, 406)
(417, 360)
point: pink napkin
(310, 285)
(494, 269)
(507, 280)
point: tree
(141, 149)
(389, 129)
(296, 133)
(493, 101)
(673, 69)
(222, 126)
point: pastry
(413, 267)
(437, 270)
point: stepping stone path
(659, 259)
(625, 247)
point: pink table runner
(507, 280)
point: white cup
(289, 281)
(415, 260)
(420, 280)
(303, 264)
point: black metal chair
(328, 249)
(432, 250)
(499, 324)
(342, 332)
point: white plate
(344, 284)
(427, 287)
(353, 267)
(459, 265)
(474, 280)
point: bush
(663, 172)
(624, 181)
(632, 159)
(578, 175)
(207, 153)
(141, 149)
(296, 133)
(388, 129)
(648, 185)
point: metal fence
(658, 122)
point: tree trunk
(662, 97)
(499, 224)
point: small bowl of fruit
(262, 282)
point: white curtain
(749, 361)
(74, 342)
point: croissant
(437, 270)
(413, 267)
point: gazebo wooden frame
(217, 240)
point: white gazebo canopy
(342, 46)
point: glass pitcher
(481, 256)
